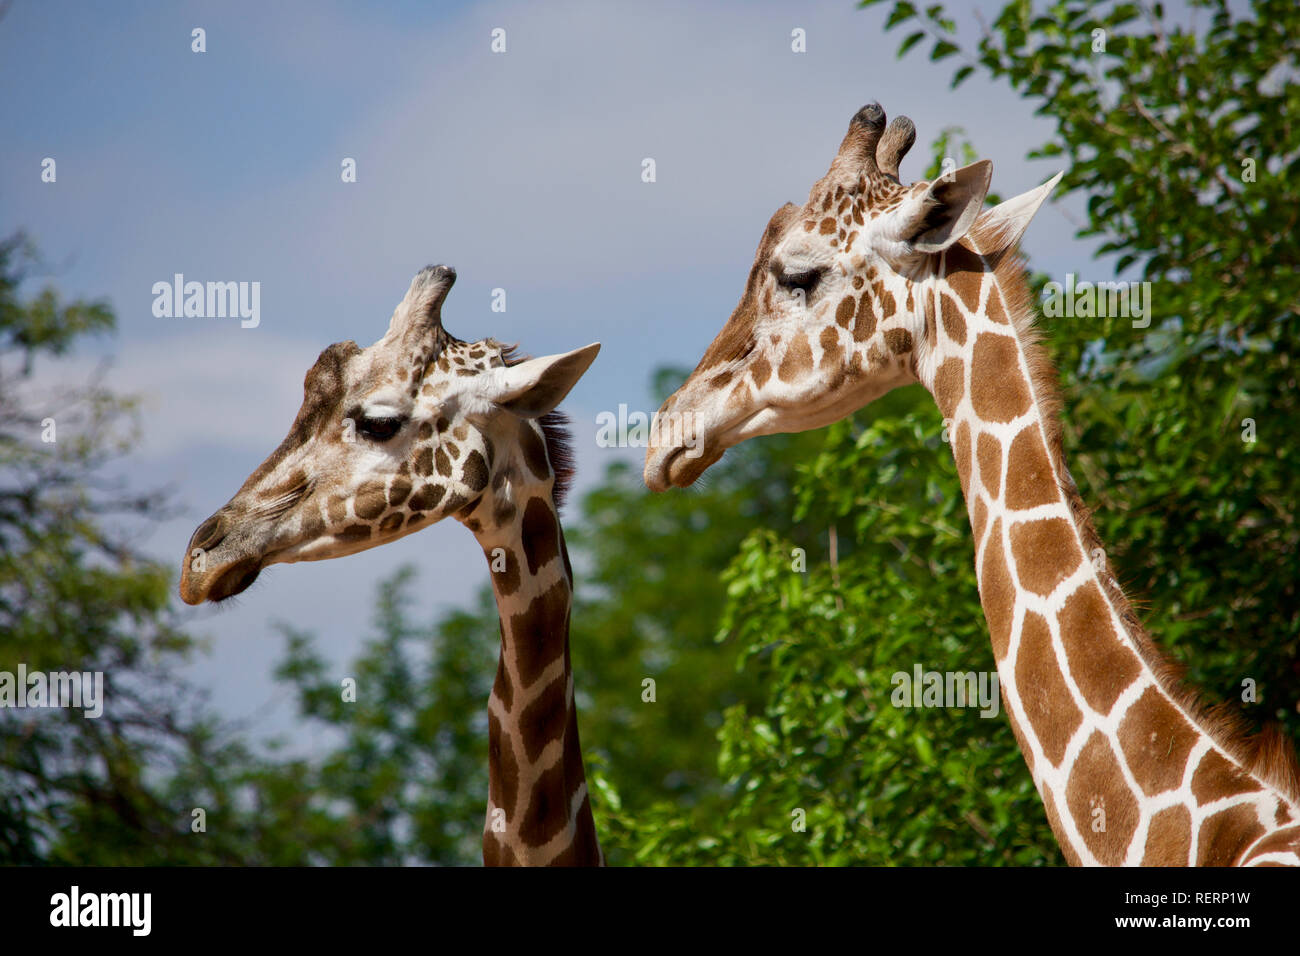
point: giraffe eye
(379, 429)
(805, 279)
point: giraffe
(393, 438)
(871, 285)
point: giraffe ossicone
(393, 438)
(872, 284)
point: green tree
(75, 596)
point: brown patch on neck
(540, 533)
(1049, 707)
(1096, 783)
(539, 632)
(997, 390)
(949, 385)
(1169, 838)
(503, 780)
(990, 462)
(997, 592)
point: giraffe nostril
(209, 534)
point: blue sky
(522, 169)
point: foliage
(73, 596)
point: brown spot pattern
(1169, 838)
(797, 360)
(424, 461)
(844, 311)
(997, 593)
(1215, 777)
(534, 630)
(534, 451)
(949, 384)
(474, 472)
(1096, 781)
(1045, 552)
(1102, 666)
(954, 324)
(1155, 740)
(540, 534)
(1050, 709)
(1030, 481)
(899, 341)
(355, 532)
(371, 501)
(989, 452)
(830, 343)
(505, 581)
(547, 812)
(998, 391)
(979, 515)
(398, 491)
(543, 719)
(961, 454)
(865, 326)
(965, 273)
(505, 782)
(1223, 835)
(427, 497)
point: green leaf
(942, 49)
(901, 11)
(912, 40)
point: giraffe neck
(538, 812)
(1131, 769)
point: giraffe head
(839, 305)
(389, 439)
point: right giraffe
(872, 284)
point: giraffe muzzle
(207, 574)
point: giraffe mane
(555, 432)
(1267, 754)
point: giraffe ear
(1006, 222)
(948, 208)
(533, 388)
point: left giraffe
(393, 438)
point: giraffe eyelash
(380, 429)
(805, 279)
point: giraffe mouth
(680, 470)
(234, 580)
